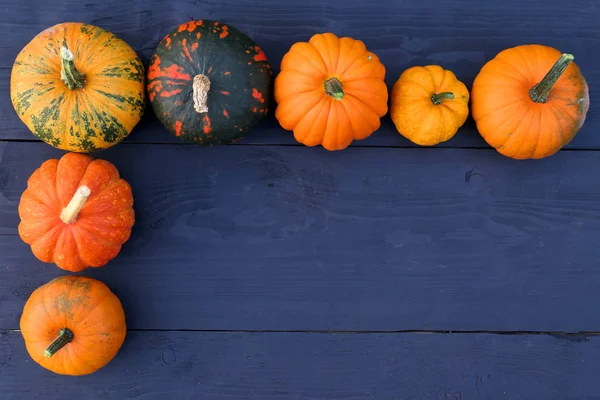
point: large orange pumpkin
(429, 104)
(78, 87)
(330, 91)
(529, 101)
(73, 325)
(76, 212)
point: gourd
(78, 87)
(529, 101)
(330, 91)
(429, 104)
(76, 212)
(209, 83)
(73, 325)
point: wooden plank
(287, 238)
(192, 365)
(460, 35)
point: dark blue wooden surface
(268, 270)
(369, 239)
(267, 366)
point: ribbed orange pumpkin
(76, 212)
(330, 91)
(73, 325)
(529, 101)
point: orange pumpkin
(73, 325)
(529, 101)
(429, 104)
(330, 91)
(76, 212)
(78, 87)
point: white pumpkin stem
(72, 78)
(70, 212)
(200, 88)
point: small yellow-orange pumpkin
(76, 212)
(73, 325)
(330, 91)
(529, 101)
(429, 104)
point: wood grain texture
(460, 35)
(288, 238)
(261, 366)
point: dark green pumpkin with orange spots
(209, 83)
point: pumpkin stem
(540, 92)
(334, 88)
(68, 74)
(69, 213)
(200, 88)
(438, 98)
(65, 335)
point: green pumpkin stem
(334, 88)
(438, 98)
(540, 92)
(65, 336)
(200, 87)
(68, 74)
(69, 214)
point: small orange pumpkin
(429, 104)
(330, 91)
(73, 325)
(529, 101)
(76, 212)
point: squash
(529, 101)
(209, 83)
(76, 212)
(73, 325)
(330, 91)
(78, 87)
(428, 104)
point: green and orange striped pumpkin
(209, 83)
(78, 87)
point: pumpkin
(78, 87)
(529, 101)
(76, 212)
(73, 325)
(428, 104)
(330, 91)
(209, 83)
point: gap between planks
(375, 332)
(353, 146)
